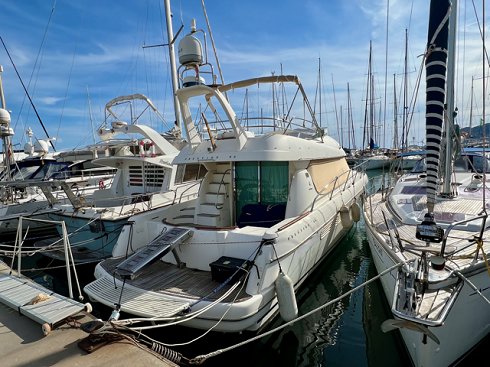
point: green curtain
(246, 184)
(274, 182)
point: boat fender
(286, 297)
(355, 211)
(345, 217)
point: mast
(450, 111)
(471, 106)
(435, 64)
(173, 67)
(335, 107)
(395, 116)
(366, 136)
(405, 97)
(350, 121)
(6, 131)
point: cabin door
(261, 192)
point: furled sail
(435, 64)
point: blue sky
(75, 56)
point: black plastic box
(226, 267)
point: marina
(237, 226)
(345, 333)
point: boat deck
(460, 250)
(168, 279)
(460, 244)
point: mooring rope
(202, 358)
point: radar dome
(190, 50)
(28, 148)
(193, 80)
(41, 146)
(4, 116)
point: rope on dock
(202, 358)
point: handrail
(66, 246)
(321, 193)
(221, 183)
(199, 182)
(266, 127)
(451, 226)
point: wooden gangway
(36, 302)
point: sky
(75, 56)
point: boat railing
(145, 199)
(261, 125)
(69, 262)
(383, 184)
(329, 189)
(483, 217)
(184, 192)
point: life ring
(147, 148)
(101, 185)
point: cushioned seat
(261, 215)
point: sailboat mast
(405, 97)
(435, 64)
(6, 131)
(471, 107)
(173, 65)
(449, 126)
(395, 115)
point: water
(345, 333)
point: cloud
(49, 100)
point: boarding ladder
(155, 250)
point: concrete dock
(24, 344)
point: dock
(24, 340)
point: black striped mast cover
(435, 65)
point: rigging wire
(27, 93)
(212, 42)
(36, 62)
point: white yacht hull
(298, 262)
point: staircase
(213, 209)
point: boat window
(48, 169)
(328, 174)
(189, 172)
(461, 164)
(261, 192)
(419, 166)
(480, 163)
(246, 184)
(412, 190)
(24, 173)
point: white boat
(372, 160)
(436, 274)
(277, 197)
(19, 194)
(145, 181)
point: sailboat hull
(459, 333)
